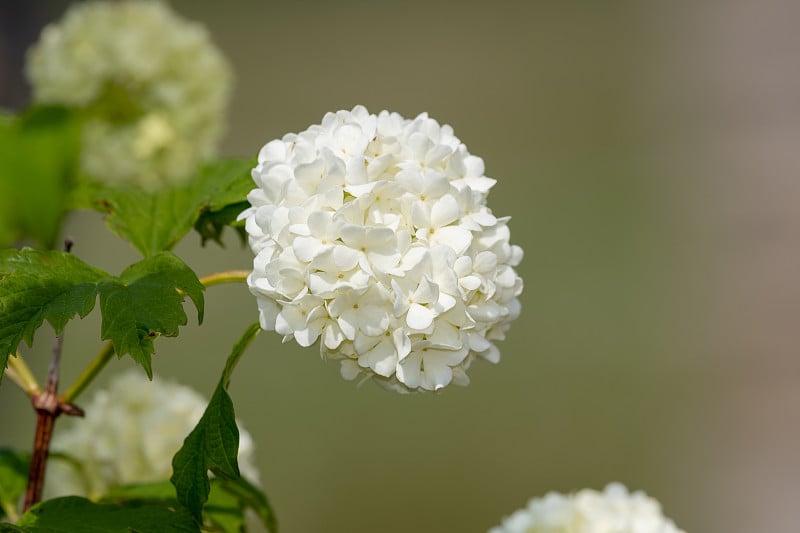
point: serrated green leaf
(214, 443)
(144, 303)
(40, 285)
(73, 514)
(38, 163)
(13, 479)
(154, 222)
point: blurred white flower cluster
(153, 86)
(614, 510)
(131, 431)
(372, 234)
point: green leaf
(251, 497)
(72, 514)
(138, 306)
(224, 510)
(13, 480)
(144, 303)
(214, 443)
(212, 224)
(160, 492)
(41, 285)
(38, 164)
(154, 222)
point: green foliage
(144, 303)
(160, 492)
(156, 221)
(72, 514)
(137, 306)
(13, 479)
(247, 495)
(212, 224)
(214, 443)
(41, 285)
(226, 205)
(224, 511)
(38, 164)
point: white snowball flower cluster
(153, 86)
(130, 433)
(372, 234)
(614, 510)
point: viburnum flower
(130, 433)
(373, 238)
(153, 88)
(615, 510)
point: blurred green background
(648, 153)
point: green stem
(21, 374)
(102, 358)
(11, 511)
(229, 276)
(89, 373)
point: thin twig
(89, 373)
(48, 407)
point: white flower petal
(419, 317)
(444, 211)
(456, 238)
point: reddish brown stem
(45, 420)
(48, 407)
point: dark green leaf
(73, 514)
(144, 303)
(13, 479)
(212, 224)
(214, 443)
(38, 163)
(154, 222)
(41, 285)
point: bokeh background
(649, 154)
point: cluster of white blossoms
(614, 510)
(372, 234)
(153, 86)
(130, 433)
